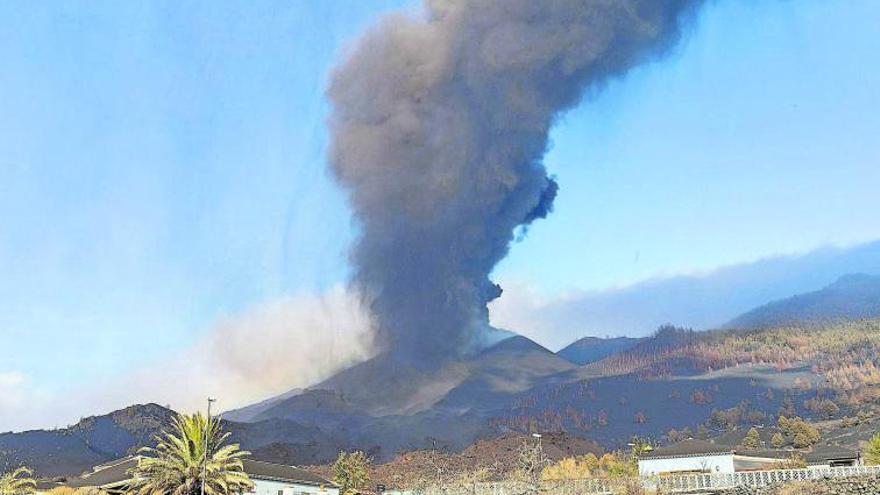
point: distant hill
(591, 349)
(93, 440)
(851, 297)
(702, 302)
(98, 439)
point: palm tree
(195, 447)
(18, 482)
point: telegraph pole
(205, 460)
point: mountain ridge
(852, 296)
(590, 349)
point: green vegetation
(590, 466)
(350, 472)
(752, 439)
(777, 440)
(796, 461)
(802, 434)
(18, 482)
(194, 448)
(843, 354)
(872, 450)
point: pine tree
(872, 451)
(752, 439)
(777, 440)
(350, 472)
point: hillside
(591, 349)
(496, 457)
(91, 441)
(98, 439)
(851, 297)
(704, 383)
(414, 408)
(675, 379)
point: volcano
(393, 405)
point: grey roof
(46, 485)
(819, 454)
(112, 473)
(830, 453)
(116, 472)
(687, 448)
(278, 472)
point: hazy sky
(162, 167)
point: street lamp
(205, 460)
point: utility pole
(205, 441)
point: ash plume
(439, 127)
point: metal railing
(665, 484)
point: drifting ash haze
(439, 128)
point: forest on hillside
(709, 383)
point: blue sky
(162, 165)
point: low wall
(858, 480)
(857, 485)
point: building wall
(264, 487)
(709, 464)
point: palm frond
(193, 446)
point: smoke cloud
(267, 349)
(439, 128)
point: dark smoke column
(439, 128)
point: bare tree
(531, 461)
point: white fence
(694, 482)
(666, 484)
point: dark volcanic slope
(373, 406)
(98, 439)
(91, 441)
(592, 349)
(385, 406)
(851, 297)
(384, 387)
(250, 412)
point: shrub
(350, 472)
(752, 439)
(777, 440)
(872, 451)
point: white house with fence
(701, 457)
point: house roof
(278, 472)
(687, 448)
(111, 473)
(822, 453)
(116, 472)
(46, 485)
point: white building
(689, 456)
(699, 456)
(268, 478)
